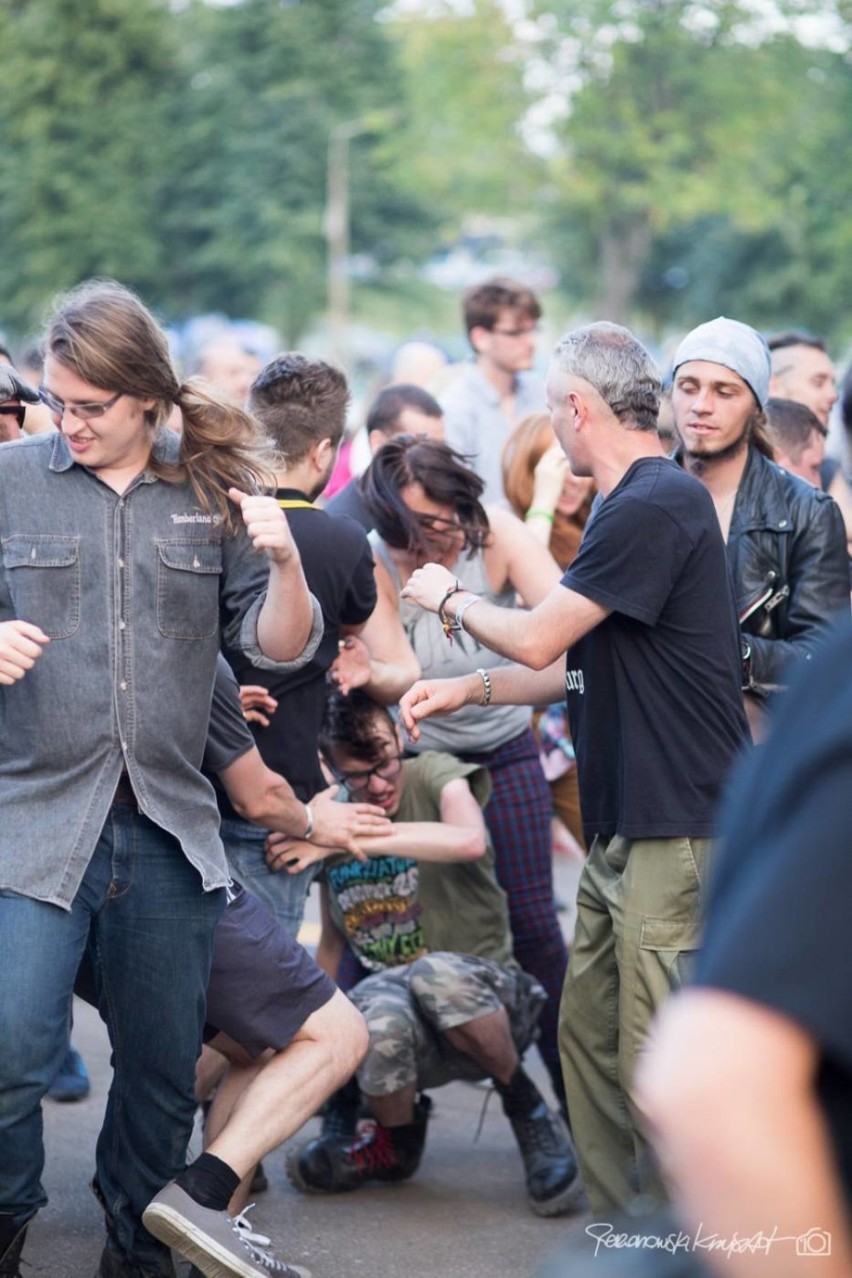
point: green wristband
(542, 514)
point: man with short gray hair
(652, 673)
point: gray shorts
(407, 1008)
(263, 986)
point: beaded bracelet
(449, 625)
(486, 686)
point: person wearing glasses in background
(15, 396)
(444, 997)
(488, 398)
(123, 550)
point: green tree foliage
(683, 131)
(84, 146)
(183, 148)
(272, 81)
(462, 146)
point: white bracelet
(310, 826)
(486, 686)
(462, 609)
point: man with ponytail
(127, 553)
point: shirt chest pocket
(188, 573)
(43, 572)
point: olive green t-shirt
(393, 909)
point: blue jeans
(141, 910)
(284, 894)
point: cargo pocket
(188, 574)
(43, 571)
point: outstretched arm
(510, 686)
(535, 638)
(458, 836)
(266, 798)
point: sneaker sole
(567, 1200)
(194, 1245)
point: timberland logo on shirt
(196, 518)
(574, 681)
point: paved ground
(463, 1216)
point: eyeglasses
(529, 331)
(18, 411)
(83, 412)
(437, 524)
(356, 782)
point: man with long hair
(123, 555)
(785, 539)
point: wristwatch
(310, 826)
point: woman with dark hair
(425, 505)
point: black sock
(209, 1182)
(520, 1095)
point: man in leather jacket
(785, 539)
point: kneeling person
(445, 999)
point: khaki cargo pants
(639, 907)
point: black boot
(329, 1166)
(553, 1178)
(11, 1245)
(341, 1112)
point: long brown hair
(522, 452)
(104, 333)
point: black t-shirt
(228, 736)
(350, 502)
(653, 692)
(338, 567)
(780, 899)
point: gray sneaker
(211, 1240)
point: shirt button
(121, 563)
(124, 746)
(782, 523)
(122, 625)
(123, 685)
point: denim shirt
(135, 591)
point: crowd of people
(549, 613)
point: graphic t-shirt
(392, 909)
(653, 692)
(378, 906)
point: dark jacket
(788, 561)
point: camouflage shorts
(407, 1007)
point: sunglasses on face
(18, 411)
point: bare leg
(395, 1110)
(488, 1041)
(209, 1068)
(290, 1087)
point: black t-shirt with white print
(653, 692)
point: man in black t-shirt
(302, 404)
(646, 613)
(749, 1083)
